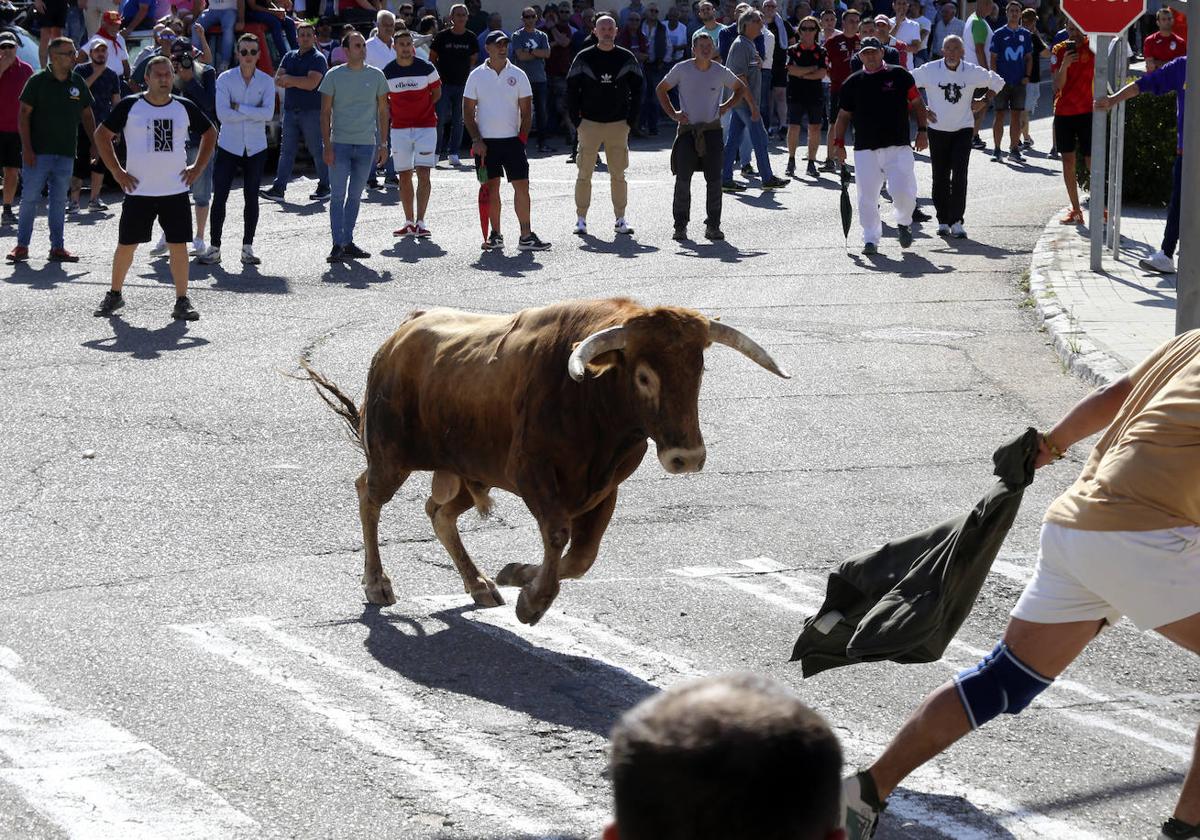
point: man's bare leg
(422, 191)
(122, 259)
(179, 266)
(406, 194)
(1186, 634)
(521, 205)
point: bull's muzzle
(677, 460)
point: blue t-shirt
(130, 8)
(535, 68)
(296, 63)
(1010, 46)
(1169, 78)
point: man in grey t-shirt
(701, 83)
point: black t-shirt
(804, 90)
(879, 105)
(1039, 47)
(455, 55)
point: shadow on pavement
(893, 826)
(975, 248)
(247, 279)
(507, 266)
(720, 250)
(573, 691)
(143, 343)
(910, 263)
(414, 250)
(622, 246)
(1107, 793)
(44, 279)
(354, 275)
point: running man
(155, 178)
(1124, 540)
(414, 89)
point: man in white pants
(878, 99)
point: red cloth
(1162, 47)
(1075, 96)
(12, 82)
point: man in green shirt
(52, 104)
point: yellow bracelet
(1054, 450)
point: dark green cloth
(54, 123)
(905, 600)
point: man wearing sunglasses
(14, 73)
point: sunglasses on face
(248, 52)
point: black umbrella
(847, 209)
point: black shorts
(55, 16)
(139, 212)
(506, 156)
(1073, 133)
(84, 166)
(835, 103)
(10, 150)
(812, 108)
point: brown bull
(553, 404)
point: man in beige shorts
(1124, 540)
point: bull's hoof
(487, 594)
(379, 591)
(516, 574)
(526, 612)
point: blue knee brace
(1000, 683)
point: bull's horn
(612, 338)
(744, 344)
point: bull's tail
(336, 399)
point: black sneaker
(532, 243)
(978, 142)
(811, 169)
(1054, 152)
(680, 234)
(713, 233)
(273, 193)
(571, 158)
(494, 242)
(775, 184)
(8, 217)
(920, 215)
(353, 252)
(1014, 154)
(336, 254)
(747, 171)
(870, 249)
(321, 192)
(732, 186)
(184, 311)
(1174, 829)
(997, 156)
(904, 234)
(111, 303)
(790, 169)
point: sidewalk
(1103, 323)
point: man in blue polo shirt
(1012, 58)
(300, 73)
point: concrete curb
(1047, 269)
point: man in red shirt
(14, 73)
(1163, 45)
(414, 88)
(839, 49)
(1072, 62)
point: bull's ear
(605, 362)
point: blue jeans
(297, 124)
(227, 19)
(738, 123)
(450, 119)
(54, 170)
(648, 119)
(1171, 232)
(278, 29)
(347, 178)
(541, 109)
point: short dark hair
(733, 757)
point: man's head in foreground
(734, 757)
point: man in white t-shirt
(155, 178)
(497, 109)
(906, 32)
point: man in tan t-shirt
(1124, 540)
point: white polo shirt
(496, 95)
(379, 54)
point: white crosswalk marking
(99, 782)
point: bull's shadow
(503, 668)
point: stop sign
(1103, 17)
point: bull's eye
(643, 379)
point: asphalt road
(185, 650)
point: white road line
(98, 782)
(429, 773)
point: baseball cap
(869, 44)
(8, 38)
(495, 37)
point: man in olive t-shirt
(53, 103)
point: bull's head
(661, 356)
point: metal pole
(1187, 307)
(1116, 156)
(1099, 147)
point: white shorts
(413, 147)
(1151, 577)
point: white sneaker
(248, 257)
(943, 230)
(454, 161)
(198, 247)
(860, 818)
(958, 231)
(160, 247)
(581, 226)
(622, 226)
(209, 256)
(1158, 261)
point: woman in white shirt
(245, 103)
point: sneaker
(861, 801)
(197, 247)
(407, 229)
(8, 217)
(790, 169)
(421, 231)
(211, 256)
(97, 206)
(904, 234)
(774, 183)
(184, 311)
(680, 234)
(353, 252)
(1053, 153)
(1014, 154)
(978, 143)
(18, 254)
(372, 183)
(811, 169)
(336, 254)
(320, 193)
(275, 193)
(581, 227)
(622, 226)
(997, 156)
(72, 205)
(571, 158)
(248, 257)
(1027, 143)
(943, 230)
(532, 243)
(1159, 262)
(111, 303)
(714, 233)
(732, 186)
(870, 249)
(919, 215)
(494, 242)
(62, 255)
(958, 231)
(747, 171)
(160, 247)
(1175, 829)
(830, 165)
(455, 161)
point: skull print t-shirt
(155, 137)
(950, 92)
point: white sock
(420, 223)
(408, 222)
